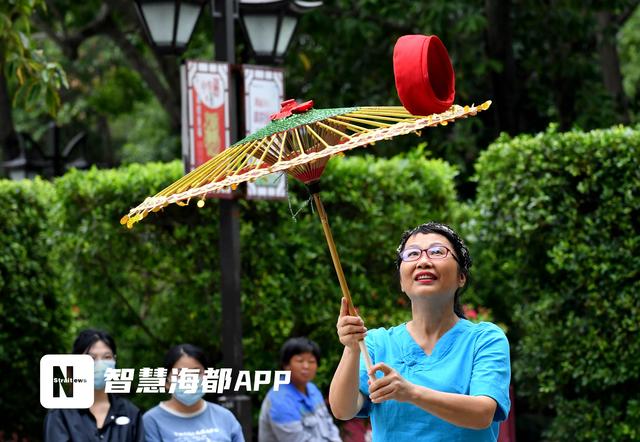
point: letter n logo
(60, 380)
(66, 381)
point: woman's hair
(86, 339)
(296, 346)
(459, 248)
(181, 350)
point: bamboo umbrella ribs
(300, 144)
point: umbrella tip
(290, 107)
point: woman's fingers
(351, 329)
(380, 366)
(382, 382)
(383, 389)
(390, 386)
(379, 384)
(345, 319)
(350, 320)
(344, 309)
(382, 394)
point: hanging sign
(205, 114)
(263, 93)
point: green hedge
(158, 284)
(559, 228)
(33, 311)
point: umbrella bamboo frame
(301, 145)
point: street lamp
(169, 37)
(269, 25)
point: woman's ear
(167, 382)
(462, 280)
(400, 284)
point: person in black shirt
(110, 418)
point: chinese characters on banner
(205, 114)
(263, 93)
(213, 380)
(205, 117)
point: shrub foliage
(559, 226)
(33, 311)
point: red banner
(205, 117)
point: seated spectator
(186, 417)
(111, 418)
(297, 412)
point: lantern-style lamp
(169, 24)
(269, 25)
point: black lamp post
(269, 26)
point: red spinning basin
(425, 80)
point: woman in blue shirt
(443, 377)
(186, 417)
(297, 411)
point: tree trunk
(565, 99)
(499, 48)
(169, 97)
(7, 130)
(610, 62)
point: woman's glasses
(411, 253)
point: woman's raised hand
(390, 386)
(351, 329)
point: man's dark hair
(181, 350)
(86, 339)
(296, 346)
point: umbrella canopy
(300, 140)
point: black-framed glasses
(412, 253)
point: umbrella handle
(343, 282)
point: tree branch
(114, 289)
(6, 120)
(621, 19)
(70, 42)
(168, 97)
(51, 6)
